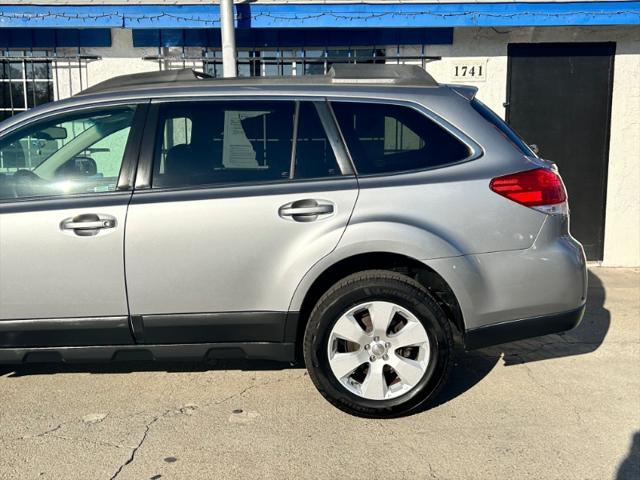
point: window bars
(277, 62)
(32, 77)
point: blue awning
(54, 37)
(316, 15)
(293, 37)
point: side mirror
(535, 148)
(77, 167)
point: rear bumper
(497, 288)
(511, 331)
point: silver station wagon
(359, 221)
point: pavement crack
(50, 431)
(135, 449)
(41, 434)
(252, 387)
(234, 395)
(148, 426)
(432, 473)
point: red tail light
(532, 188)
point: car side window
(221, 142)
(385, 138)
(72, 154)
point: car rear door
(65, 183)
(234, 202)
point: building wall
(622, 218)
(118, 59)
(622, 224)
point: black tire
(392, 287)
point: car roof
(339, 75)
(363, 81)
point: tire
(363, 295)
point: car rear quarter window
(505, 130)
(386, 138)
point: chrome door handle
(306, 210)
(88, 224)
(319, 210)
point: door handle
(319, 210)
(88, 224)
(306, 210)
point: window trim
(475, 150)
(294, 140)
(129, 159)
(147, 150)
(334, 135)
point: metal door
(559, 98)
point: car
(366, 222)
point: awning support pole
(228, 38)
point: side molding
(211, 327)
(51, 332)
(281, 352)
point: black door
(559, 97)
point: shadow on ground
(470, 369)
(117, 367)
(473, 366)
(629, 469)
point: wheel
(378, 345)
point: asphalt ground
(556, 407)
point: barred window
(26, 79)
(292, 61)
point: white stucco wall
(622, 224)
(121, 57)
(622, 217)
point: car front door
(63, 201)
(234, 202)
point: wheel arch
(305, 300)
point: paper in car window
(237, 151)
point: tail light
(541, 189)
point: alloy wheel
(378, 350)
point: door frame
(242, 327)
(148, 145)
(34, 333)
(128, 168)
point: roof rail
(377, 73)
(146, 78)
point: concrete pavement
(557, 407)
